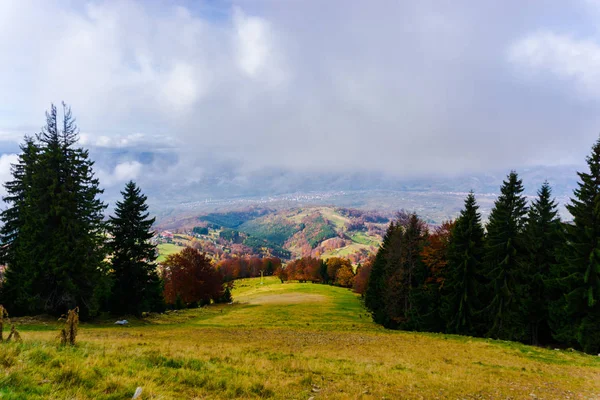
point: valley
(318, 231)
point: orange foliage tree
(190, 279)
(247, 267)
(435, 253)
(361, 279)
(303, 269)
(337, 265)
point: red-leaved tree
(435, 253)
(191, 279)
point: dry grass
(328, 349)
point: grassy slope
(260, 348)
(165, 249)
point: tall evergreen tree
(17, 292)
(60, 237)
(542, 239)
(503, 255)
(578, 314)
(394, 293)
(413, 276)
(374, 300)
(463, 278)
(136, 286)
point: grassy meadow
(166, 249)
(282, 341)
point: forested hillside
(321, 232)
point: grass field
(165, 249)
(283, 341)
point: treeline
(333, 271)
(248, 267)
(526, 277)
(60, 253)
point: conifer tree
(542, 239)
(413, 275)
(377, 280)
(577, 317)
(503, 255)
(60, 235)
(460, 298)
(16, 236)
(136, 286)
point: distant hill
(288, 233)
(434, 198)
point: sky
(169, 91)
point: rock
(138, 393)
(122, 322)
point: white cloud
(6, 161)
(122, 173)
(255, 49)
(571, 59)
(404, 87)
(182, 88)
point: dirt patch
(288, 298)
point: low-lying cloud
(174, 91)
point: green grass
(274, 229)
(344, 251)
(363, 238)
(282, 341)
(165, 249)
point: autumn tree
(344, 276)
(435, 252)
(361, 279)
(434, 257)
(334, 266)
(190, 277)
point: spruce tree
(542, 239)
(578, 317)
(59, 234)
(462, 284)
(374, 300)
(16, 234)
(136, 286)
(503, 255)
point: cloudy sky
(169, 89)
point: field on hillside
(165, 249)
(283, 341)
(288, 233)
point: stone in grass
(138, 393)
(122, 322)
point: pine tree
(503, 255)
(542, 239)
(414, 275)
(136, 287)
(15, 234)
(374, 300)
(460, 299)
(579, 317)
(59, 231)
